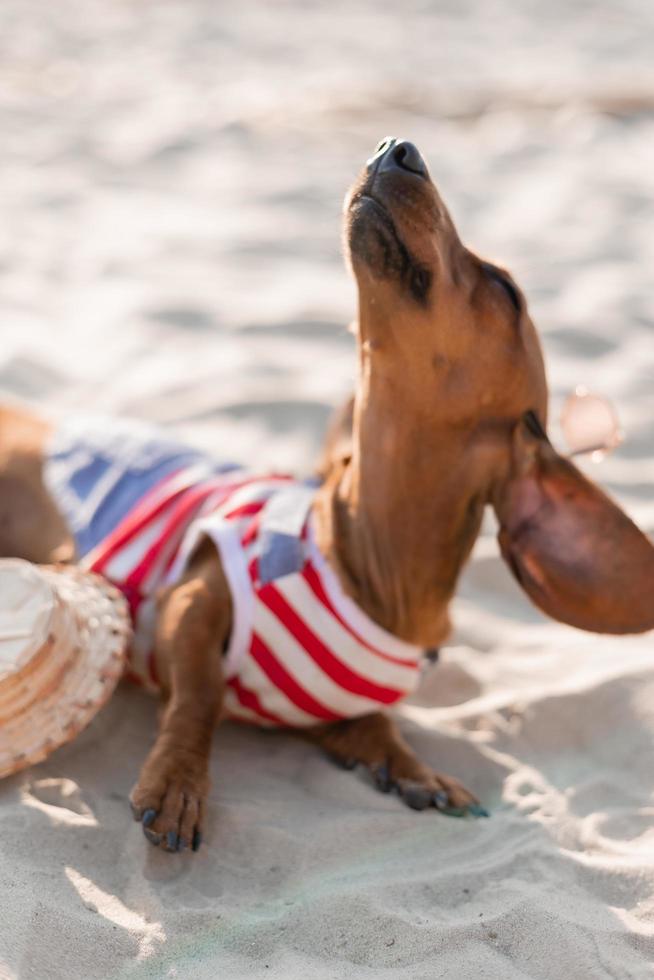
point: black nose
(402, 155)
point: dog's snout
(402, 155)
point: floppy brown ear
(574, 552)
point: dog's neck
(397, 518)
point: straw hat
(63, 641)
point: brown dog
(449, 415)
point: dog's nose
(382, 147)
(401, 155)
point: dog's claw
(441, 799)
(382, 777)
(149, 817)
(416, 796)
(152, 836)
(455, 811)
(197, 840)
(477, 810)
(172, 840)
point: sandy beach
(172, 175)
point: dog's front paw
(169, 799)
(373, 742)
(426, 788)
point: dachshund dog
(308, 605)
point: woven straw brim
(103, 632)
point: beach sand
(172, 179)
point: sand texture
(172, 176)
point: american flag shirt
(300, 651)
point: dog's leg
(31, 526)
(193, 625)
(375, 742)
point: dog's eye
(506, 284)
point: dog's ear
(574, 552)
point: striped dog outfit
(300, 650)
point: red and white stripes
(313, 655)
(301, 651)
